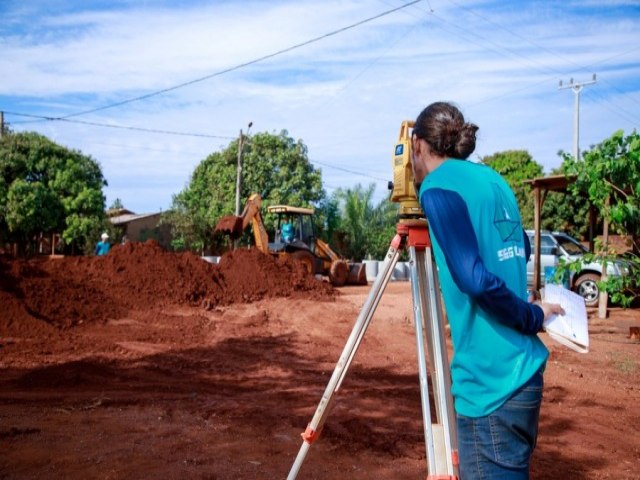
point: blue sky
(344, 95)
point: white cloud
(344, 96)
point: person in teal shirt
(287, 231)
(103, 246)
(481, 252)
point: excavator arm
(341, 271)
(251, 214)
(324, 250)
(234, 226)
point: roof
(553, 183)
(130, 217)
(288, 209)
(115, 212)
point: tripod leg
(444, 404)
(418, 291)
(440, 436)
(348, 353)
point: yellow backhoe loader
(294, 238)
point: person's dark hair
(443, 127)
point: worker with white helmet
(103, 246)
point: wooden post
(604, 297)
(239, 173)
(592, 226)
(536, 241)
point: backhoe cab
(295, 238)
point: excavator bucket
(230, 225)
(357, 274)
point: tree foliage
(44, 188)
(516, 166)
(566, 211)
(611, 170)
(116, 204)
(275, 166)
(609, 175)
(363, 230)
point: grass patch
(623, 363)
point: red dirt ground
(148, 364)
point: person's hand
(550, 309)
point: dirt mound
(71, 290)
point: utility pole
(239, 169)
(577, 88)
(1, 124)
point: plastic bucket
(399, 271)
(211, 259)
(371, 267)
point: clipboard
(572, 328)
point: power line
(626, 115)
(242, 65)
(605, 102)
(577, 88)
(149, 149)
(555, 54)
(617, 110)
(369, 65)
(167, 132)
(122, 127)
(467, 33)
(586, 68)
(353, 172)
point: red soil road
(173, 376)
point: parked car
(556, 245)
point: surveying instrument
(433, 365)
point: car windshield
(570, 245)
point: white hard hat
(104, 235)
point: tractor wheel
(305, 258)
(587, 287)
(338, 273)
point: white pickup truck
(556, 245)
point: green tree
(383, 230)
(44, 188)
(516, 166)
(609, 175)
(364, 229)
(275, 166)
(611, 170)
(566, 211)
(116, 204)
(327, 219)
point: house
(139, 227)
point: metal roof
(129, 217)
(288, 209)
(553, 183)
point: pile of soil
(71, 290)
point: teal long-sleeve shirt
(102, 248)
(481, 253)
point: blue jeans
(499, 446)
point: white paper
(572, 328)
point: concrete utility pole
(239, 169)
(577, 88)
(1, 124)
